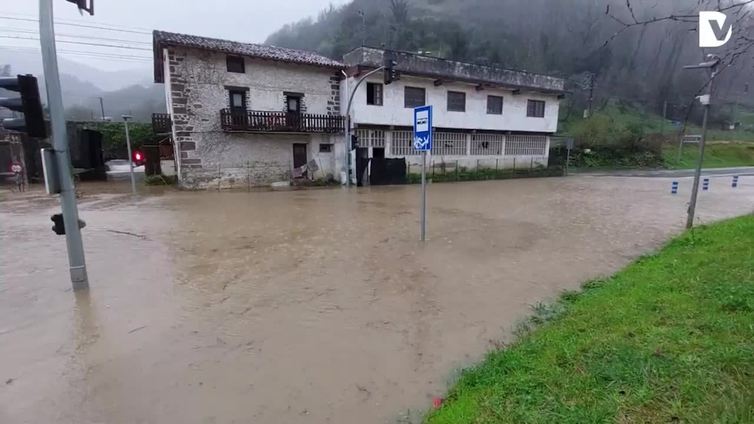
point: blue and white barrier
(705, 184)
(674, 188)
(735, 182)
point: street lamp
(706, 100)
(130, 158)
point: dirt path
(301, 307)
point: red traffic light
(138, 158)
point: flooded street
(317, 306)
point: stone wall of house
(210, 157)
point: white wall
(513, 118)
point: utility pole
(102, 108)
(76, 261)
(363, 27)
(591, 93)
(706, 100)
(664, 116)
(130, 157)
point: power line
(83, 53)
(22, 15)
(81, 42)
(80, 25)
(86, 37)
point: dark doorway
(362, 162)
(237, 103)
(299, 155)
(378, 152)
(293, 109)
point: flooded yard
(316, 306)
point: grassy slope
(715, 156)
(738, 153)
(669, 338)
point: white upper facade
(475, 114)
(464, 96)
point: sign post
(423, 143)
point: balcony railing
(260, 121)
(161, 123)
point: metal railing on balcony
(261, 121)
(161, 123)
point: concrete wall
(513, 118)
(196, 86)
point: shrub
(158, 180)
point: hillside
(568, 38)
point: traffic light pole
(130, 155)
(74, 243)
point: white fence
(460, 144)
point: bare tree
(741, 43)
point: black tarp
(388, 171)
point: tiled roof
(163, 38)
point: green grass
(717, 155)
(668, 339)
(737, 135)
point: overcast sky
(241, 20)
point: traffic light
(138, 158)
(33, 122)
(391, 74)
(354, 141)
(85, 5)
(59, 226)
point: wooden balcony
(260, 121)
(161, 123)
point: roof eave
(488, 83)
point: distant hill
(130, 91)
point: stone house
(248, 114)
(483, 116)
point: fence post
(531, 165)
(514, 164)
(248, 174)
(219, 176)
(456, 169)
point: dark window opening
(237, 99)
(325, 148)
(414, 97)
(456, 101)
(535, 109)
(374, 94)
(494, 105)
(235, 64)
(293, 103)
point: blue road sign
(423, 128)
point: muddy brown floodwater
(312, 306)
